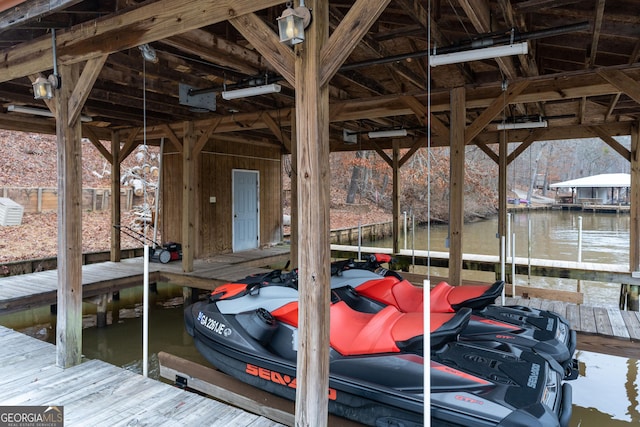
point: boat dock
(95, 393)
(26, 291)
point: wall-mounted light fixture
(39, 112)
(43, 87)
(251, 91)
(479, 54)
(292, 23)
(391, 133)
(526, 124)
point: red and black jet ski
(542, 331)
(249, 331)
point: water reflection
(606, 392)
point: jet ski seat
(400, 293)
(447, 299)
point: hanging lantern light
(292, 22)
(43, 87)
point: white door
(246, 225)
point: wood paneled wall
(215, 164)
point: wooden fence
(43, 199)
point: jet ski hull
(382, 386)
(352, 397)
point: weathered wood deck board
(587, 320)
(603, 324)
(96, 393)
(26, 291)
(573, 316)
(632, 322)
(600, 329)
(618, 327)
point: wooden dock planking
(599, 329)
(22, 292)
(97, 393)
(618, 327)
(632, 322)
(603, 324)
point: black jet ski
(249, 331)
(539, 330)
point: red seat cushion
(440, 298)
(402, 294)
(356, 333)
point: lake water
(554, 236)
(605, 395)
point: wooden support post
(502, 191)
(188, 197)
(396, 197)
(115, 199)
(456, 185)
(634, 223)
(314, 254)
(187, 295)
(39, 209)
(101, 310)
(294, 193)
(69, 318)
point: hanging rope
(429, 148)
(144, 141)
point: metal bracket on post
(181, 382)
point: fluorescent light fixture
(39, 112)
(478, 54)
(387, 133)
(522, 125)
(251, 91)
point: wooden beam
(634, 223)
(495, 108)
(395, 197)
(503, 150)
(314, 253)
(130, 144)
(488, 151)
(622, 81)
(188, 197)
(597, 29)
(204, 138)
(534, 136)
(173, 138)
(417, 145)
(115, 198)
(276, 130)
(479, 13)
(294, 191)
(91, 136)
(14, 13)
(382, 154)
(604, 136)
(212, 48)
(456, 185)
(265, 41)
(69, 318)
(82, 88)
(348, 34)
(151, 21)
